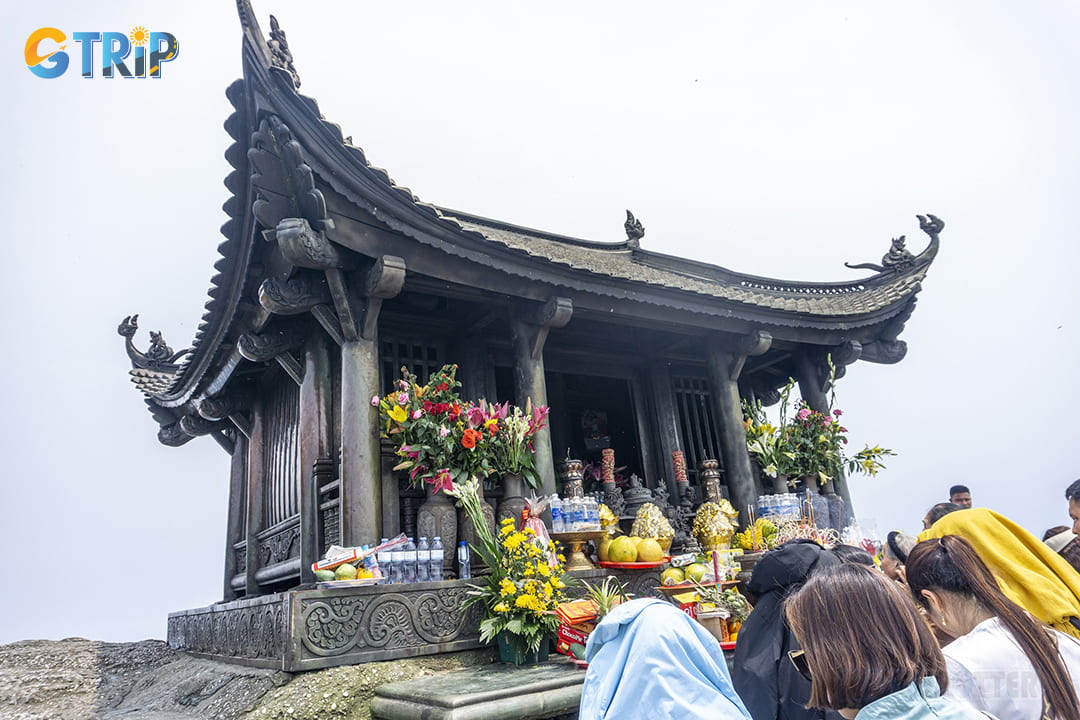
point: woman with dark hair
(1002, 660)
(1030, 574)
(867, 651)
(762, 674)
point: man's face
(1074, 513)
(961, 499)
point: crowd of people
(975, 617)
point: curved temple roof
(280, 137)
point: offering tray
(685, 586)
(576, 540)
(633, 565)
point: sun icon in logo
(139, 35)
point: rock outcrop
(77, 679)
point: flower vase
(780, 484)
(513, 653)
(513, 498)
(437, 517)
(467, 532)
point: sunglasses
(798, 659)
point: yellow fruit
(695, 571)
(602, 548)
(345, 572)
(672, 576)
(648, 550)
(637, 540)
(622, 549)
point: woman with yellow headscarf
(1030, 574)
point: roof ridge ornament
(280, 54)
(899, 257)
(634, 231)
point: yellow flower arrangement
(526, 581)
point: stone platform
(497, 692)
(308, 629)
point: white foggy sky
(778, 138)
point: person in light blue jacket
(648, 660)
(866, 650)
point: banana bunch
(761, 535)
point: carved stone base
(311, 629)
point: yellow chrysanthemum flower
(543, 569)
(513, 541)
(501, 607)
(507, 587)
(528, 571)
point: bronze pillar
(316, 427)
(811, 387)
(729, 418)
(361, 492)
(529, 383)
(254, 498)
(667, 423)
(234, 531)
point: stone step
(550, 689)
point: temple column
(254, 498)
(729, 419)
(667, 422)
(529, 331)
(234, 529)
(315, 443)
(358, 313)
(813, 382)
(529, 384)
(361, 494)
(725, 365)
(646, 443)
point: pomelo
(325, 575)
(622, 549)
(648, 550)
(602, 548)
(695, 571)
(345, 572)
(672, 576)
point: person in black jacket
(764, 677)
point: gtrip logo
(46, 58)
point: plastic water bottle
(397, 564)
(556, 515)
(383, 559)
(594, 514)
(579, 513)
(464, 564)
(423, 560)
(435, 559)
(409, 571)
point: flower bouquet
(809, 443)
(526, 583)
(442, 439)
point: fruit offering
(651, 523)
(762, 535)
(672, 576)
(712, 525)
